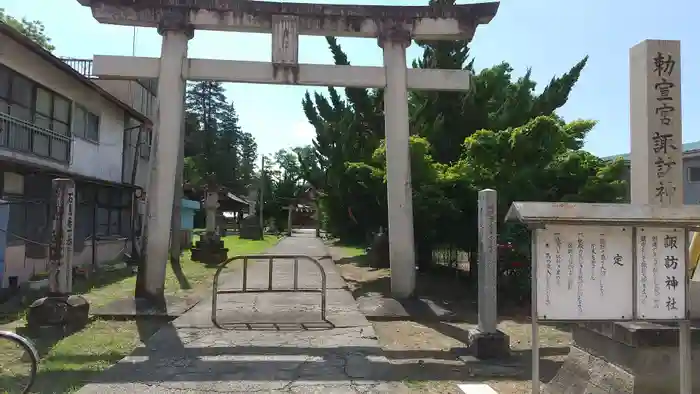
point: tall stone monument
(486, 341)
(250, 225)
(640, 357)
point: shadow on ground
(14, 308)
(441, 314)
(440, 296)
(278, 363)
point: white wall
(102, 160)
(16, 264)
(132, 93)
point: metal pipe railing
(269, 288)
(83, 66)
(22, 136)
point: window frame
(144, 146)
(689, 178)
(109, 214)
(10, 101)
(86, 116)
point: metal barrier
(270, 260)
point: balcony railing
(84, 66)
(21, 136)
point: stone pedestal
(624, 358)
(489, 345)
(250, 228)
(69, 312)
(209, 250)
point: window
(93, 126)
(20, 112)
(21, 91)
(146, 143)
(4, 83)
(22, 98)
(17, 222)
(43, 102)
(693, 174)
(19, 96)
(86, 124)
(4, 90)
(112, 205)
(79, 123)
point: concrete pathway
(193, 356)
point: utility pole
(262, 199)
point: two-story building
(56, 120)
(691, 171)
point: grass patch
(70, 362)
(349, 251)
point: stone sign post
(656, 137)
(290, 215)
(656, 157)
(60, 307)
(486, 340)
(61, 246)
(610, 263)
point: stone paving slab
(201, 360)
(341, 309)
(190, 356)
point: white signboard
(661, 273)
(584, 273)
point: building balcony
(139, 94)
(17, 135)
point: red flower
(516, 264)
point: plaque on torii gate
(393, 26)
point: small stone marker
(486, 341)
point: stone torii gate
(394, 27)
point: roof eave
(61, 65)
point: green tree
(249, 157)
(284, 183)
(35, 30)
(451, 158)
(206, 100)
(215, 144)
(226, 157)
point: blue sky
(547, 35)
